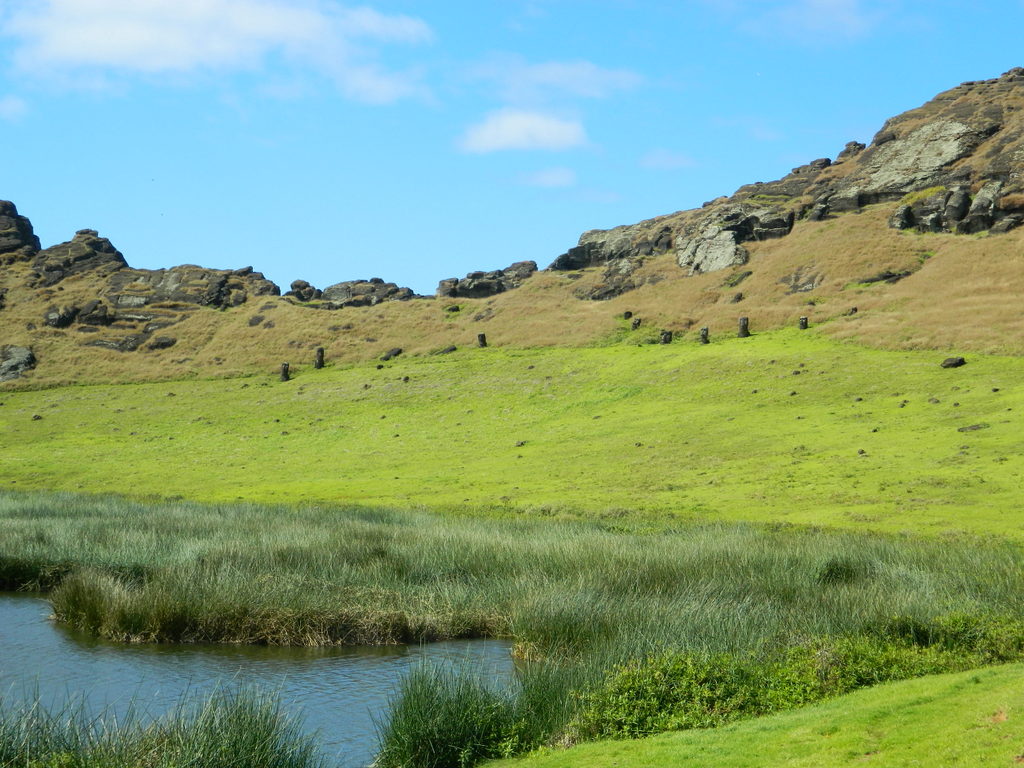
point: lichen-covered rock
(1005, 224)
(14, 361)
(716, 243)
(188, 284)
(85, 252)
(364, 293)
(804, 280)
(477, 285)
(914, 161)
(711, 249)
(17, 240)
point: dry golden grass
(1012, 202)
(963, 293)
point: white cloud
(816, 22)
(12, 108)
(666, 160)
(519, 82)
(756, 128)
(838, 18)
(173, 37)
(550, 178)
(522, 129)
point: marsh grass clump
(841, 570)
(242, 729)
(443, 717)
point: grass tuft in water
(226, 730)
(443, 717)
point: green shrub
(678, 690)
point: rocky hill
(956, 164)
(912, 240)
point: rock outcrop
(17, 240)
(14, 361)
(303, 291)
(89, 254)
(85, 252)
(956, 164)
(129, 305)
(478, 285)
(187, 284)
(363, 293)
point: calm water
(338, 692)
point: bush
(679, 690)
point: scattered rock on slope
(15, 361)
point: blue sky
(415, 140)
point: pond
(338, 692)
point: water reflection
(338, 691)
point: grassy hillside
(961, 292)
(968, 719)
(782, 427)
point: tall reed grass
(580, 601)
(226, 730)
(449, 717)
(315, 576)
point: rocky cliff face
(17, 240)
(956, 163)
(479, 285)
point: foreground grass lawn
(785, 426)
(966, 719)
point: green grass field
(663, 449)
(781, 427)
(970, 719)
